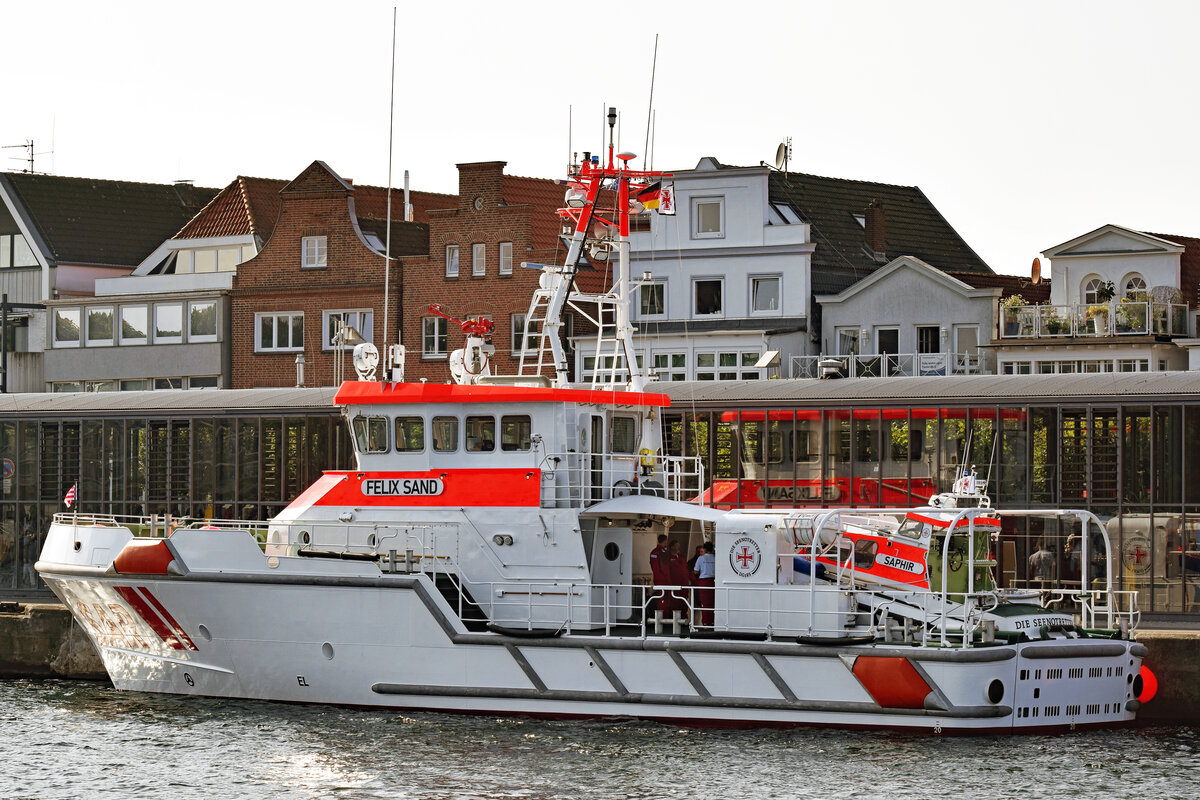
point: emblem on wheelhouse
(486, 555)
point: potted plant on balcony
(1055, 325)
(1009, 315)
(1097, 314)
(1105, 292)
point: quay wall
(41, 640)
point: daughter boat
(480, 559)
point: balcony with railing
(1098, 320)
(885, 365)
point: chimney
(876, 230)
(480, 185)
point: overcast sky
(1026, 123)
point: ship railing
(573, 480)
(160, 525)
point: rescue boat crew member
(658, 569)
(706, 573)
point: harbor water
(71, 739)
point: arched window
(1091, 290)
(1134, 283)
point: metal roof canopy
(198, 402)
(1106, 388)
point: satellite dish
(781, 155)
(1036, 276)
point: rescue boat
(481, 558)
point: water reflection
(61, 736)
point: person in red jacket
(658, 569)
(678, 574)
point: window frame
(443, 334)
(766, 312)
(168, 339)
(275, 316)
(111, 341)
(478, 260)
(720, 281)
(517, 331)
(133, 341)
(64, 311)
(192, 336)
(661, 286)
(365, 318)
(506, 258)
(696, 202)
(314, 252)
(453, 253)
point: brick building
(323, 262)
(474, 268)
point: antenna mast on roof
(29, 154)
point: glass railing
(885, 365)
(1117, 318)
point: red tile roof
(246, 206)
(545, 198)
(1009, 284)
(370, 202)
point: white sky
(1026, 123)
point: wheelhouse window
(707, 295)
(168, 323)
(282, 331)
(708, 218)
(433, 337)
(370, 434)
(624, 434)
(764, 295)
(100, 326)
(652, 299)
(445, 434)
(451, 261)
(410, 435)
(515, 433)
(66, 327)
(313, 251)
(481, 434)
(506, 258)
(361, 320)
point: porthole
(304, 537)
(995, 691)
(611, 551)
(327, 651)
(204, 632)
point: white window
(15, 251)
(205, 260)
(518, 332)
(708, 218)
(1133, 284)
(279, 331)
(726, 366)
(183, 262)
(66, 327)
(362, 320)
(847, 341)
(100, 326)
(764, 295)
(433, 337)
(1091, 290)
(670, 366)
(203, 382)
(168, 323)
(506, 258)
(451, 261)
(1016, 368)
(135, 325)
(708, 297)
(202, 321)
(313, 249)
(652, 299)
(168, 383)
(478, 259)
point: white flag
(666, 199)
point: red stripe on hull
(170, 620)
(471, 488)
(130, 595)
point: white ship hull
(345, 633)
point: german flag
(648, 197)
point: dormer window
(313, 251)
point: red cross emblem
(1139, 554)
(745, 557)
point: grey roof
(1121, 387)
(92, 221)
(137, 404)
(914, 227)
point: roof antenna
(387, 247)
(29, 154)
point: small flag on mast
(70, 498)
(666, 199)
